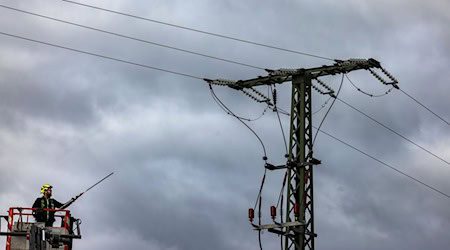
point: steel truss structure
(299, 227)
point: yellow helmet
(45, 187)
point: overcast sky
(185, 171)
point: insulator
(257, 92)
(273, 212)
(249, 95)
(352, 61)
(266, 99)
(389, 75)
(296, 209)
(251, 214)
(226, 81)
(253, 97)
(324, 85)
(317, 89)
(281, 72)
(221, 82)
(378, 77)
(357, 60)
(274, 96)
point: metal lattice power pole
(300, 189)
(298, 228)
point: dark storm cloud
(373, 203)
(185, 171)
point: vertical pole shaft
(299, 190)
(308, 178)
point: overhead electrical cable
(318, 129)
(195, 77)
(102, 56)
(244, 41)
(325, 116)
(200, 31)
(365, 92)
(393, 131)
(136, 64)
(228, 110)
(401, 90)
(414, 99)
(385, 164)
(200, 78)
(133, 38)
(323, 106)
(225, 108)
(279, 201)
(283, 112)
(237, 116)
(259, 196)
(279, 119)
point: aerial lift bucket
(23, 233)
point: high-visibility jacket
(45, 216)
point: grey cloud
(185, 171)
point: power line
(387, 165)
(228, 111)
(414, 99)
(274, 92)
(145, 66)
(328, 111)
(200, 78)
(132, 38)
(323, 106)
(208, 56)
(258, 199)
(102, 56)
(389, 90)
(366, 93)
(195, 77)
(199, 31)
(244, 41)
(393, 131)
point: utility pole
(298, 228)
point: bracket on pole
(292, 165)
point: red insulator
(296, 209)
(273, 212)
(251, 214)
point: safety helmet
(45, 187)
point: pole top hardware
(284, 74)
(292, 165)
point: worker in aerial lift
(41, 203)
